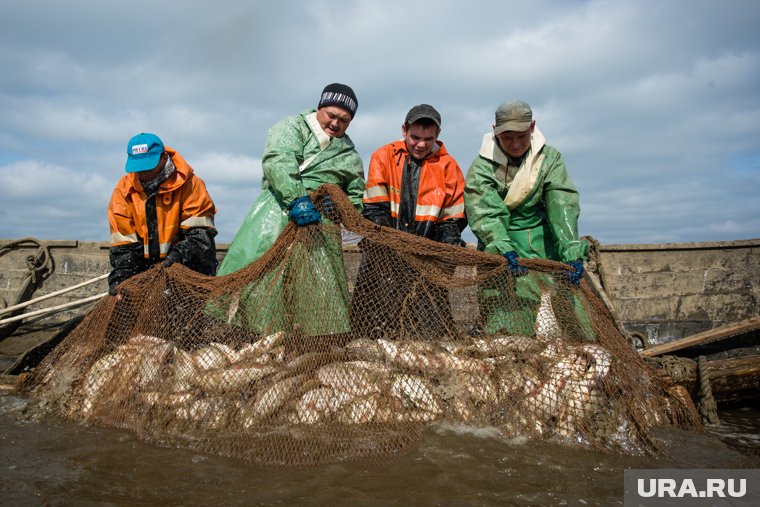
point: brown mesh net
(298, 359)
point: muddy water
(47, 461)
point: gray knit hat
(514, 116)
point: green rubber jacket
(298, 158)
(535, 214)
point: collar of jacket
(182, 172)
(527, 175)
(490, 150)
(316, 129)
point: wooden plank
(708, 336)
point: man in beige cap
(520, 201)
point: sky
(654, 105)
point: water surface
(49, 461)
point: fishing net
(309, 357)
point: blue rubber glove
(513, 265)
(574, 275)
(303, 212)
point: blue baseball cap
(143, 152)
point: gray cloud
(654, 105)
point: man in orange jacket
(159, 211)
(415, 186)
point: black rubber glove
(513, 265)
(173, 257)
(303, 212)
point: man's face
(420, 140)
(149, 175)
(334, 120)
(515, 144)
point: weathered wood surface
(703, 338)
(670, 291)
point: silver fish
(393, 415)
(232, 355)
(358, 411)
(259, 347)
(477, 387)
(546, 325)
(412, 354)
(183, 370)
(364, 348)
(165, 399)
(98, 376)
(211, 413)
(449, 362)
(357, 378)
(414, 392)
(210, 357)
(273, 398)
(599, 361)
(318, 403)
(154, 360)
(503, 345)
(231, 379)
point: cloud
(653, 105)
(53, 202)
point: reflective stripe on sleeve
(118, 238)
(198, 222)
(456, 211)
(376, 191)
(427, 211)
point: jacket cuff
(574, 250)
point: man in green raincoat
(301, 153)
(521, 203)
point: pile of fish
(528, 384)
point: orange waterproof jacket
(438, 198)
(182, 203)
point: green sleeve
(563, 209)
(283, 153)
(487, 215)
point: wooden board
(709, 336)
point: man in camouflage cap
(520, 201)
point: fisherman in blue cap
(159, 211)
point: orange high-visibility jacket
(439, 196)
(182, 202)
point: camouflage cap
(513, 116)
